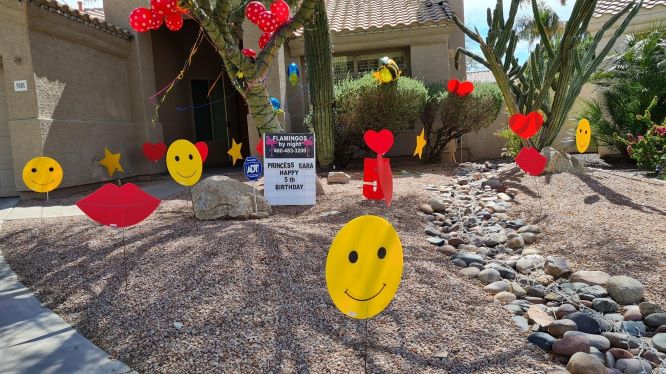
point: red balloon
(163, 7)
(280, 9)
(253, 10)
(141, 19)
(174, 21)
(268, 22)
(116, 206)
(380, 142)
(249, 53)
(531, 161)
(460, 88)
(156, 21)
(526, 126)
(265, 38)
(154, 152)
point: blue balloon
(293, 69)
(275, 102)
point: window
(357, 65)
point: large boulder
(562, 163)
(220, 197)
(585, 363)
(625, 290)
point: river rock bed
(588, 321)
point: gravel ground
(605, 220)
(251, 296)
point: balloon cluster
(267, 20)
(293, 73)
(161, 11)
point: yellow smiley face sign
(364, 267)
(583, 135)
(184, 162)
(42, 174)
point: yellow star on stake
(111, 162)
(420, 143)
(235, 151)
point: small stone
(557, 371)
(530, 228)
(661, 330)
(497, 287)
(621, 340)
(596, 292)
(594, 278)
(436, 241)
(634, 328)
(560, 327)
(530, 251)
(505, 272)
(529, 238)
(571, 345)
(585, 323)
(448, 250)
(655, 320)
(515, 243)
(534, 300)
(610, 360)
(564, 310)
(505, 297)
(529, 263)
(459, 263)
(659, 342)
(442, 355)
(614, 317)
(546, 280)
(517, 289)
(597, 341)
(536, 291)
(337, 177)
(426, 208)
(648, 308)
(469, 258)
(512, 192)
(619, 353)
(539, 316)
(625, 290)
(470, 272)
(521, 323)
(633, 315)
(605, 305)
(488, 276)
(585, 363)
(542, 340)
(633, 366)
(557, 266)
(515, 309)
(456, 241)
(656, 358)
(178, 325)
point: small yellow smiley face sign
(42, 174)
(184, 162)
(583, 135)
(364, 267)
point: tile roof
(615, 6)
(91, 19)
(95, 13)
(357, 15)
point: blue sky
(475, 16)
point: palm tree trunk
(319, 62)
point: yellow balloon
(583, 135)
(184, 162)
(364, 267)
(42, 174)
(385, 75)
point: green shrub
(513, 143)
(649, 150)
(629, 83)
(448, 117)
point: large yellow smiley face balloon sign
(185, 161)
(583, 135)
(42, 174)
(364, 267)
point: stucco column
(430, 62)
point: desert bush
(649, 150)
(629, 81)
(447, 117)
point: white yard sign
(290, 176)
(20, 86)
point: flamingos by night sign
(289, 169)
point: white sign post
(290, 175)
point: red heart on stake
(154, 152)
(526, 126)
(531, 161)
(265, 39)
(253, 10)
(460, 88)
(280, 9)
(380, 142)
(203, 150)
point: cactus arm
(542, 30)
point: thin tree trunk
(319, 62)
(261, 110)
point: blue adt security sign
(253, 168)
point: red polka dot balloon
(163, 7)
(141, 19)
(265, 38)
(280, 9)
(253, 10)
(156, 21)
(174, 21)
(268, 22)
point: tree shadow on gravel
(615, 197)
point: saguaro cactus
(223, 21)
(553, 76)
(319, 61)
